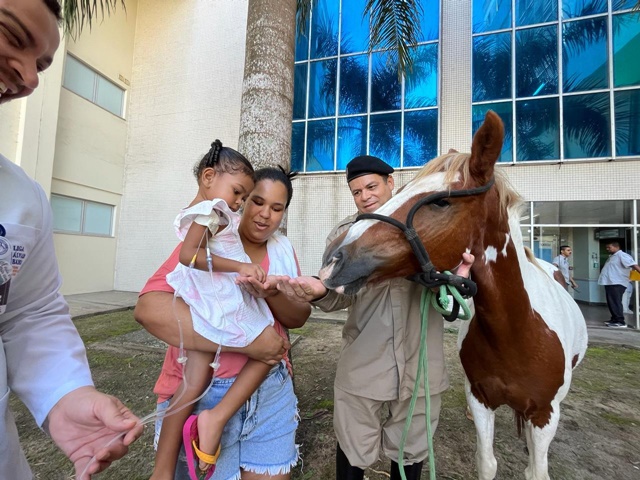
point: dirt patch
(597, 437)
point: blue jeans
(260, 437)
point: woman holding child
(256, 431)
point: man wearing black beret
(379, 359)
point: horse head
(373, 250)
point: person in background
(615, 279)
(562, 262)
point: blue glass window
(587, 126)
(302, 42)
(297, 146)
(421, 85)
(354, 72)
(492, 67)
(348, 101)
(299, 91)
(623, 4)
(385, 87)
(322, 88)
(582, 8)
(352, 139)
(384, 137)
(536, 61)
(538, 129)
(627, 108)
(626, 45)
(320, 145)
(429, 21)
(530, 12)
(584, 55)
(491, 15)
(354, 36)
(324, 28)
(420, 137)
(504, 111)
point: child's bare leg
(198, 374)
(211, 422)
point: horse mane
(454, 162)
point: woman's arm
(290, 313)
(158, 314)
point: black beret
(366, 164)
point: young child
(210, 257)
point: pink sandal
(190, 440)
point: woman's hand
(257, 288)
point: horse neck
(498, 272)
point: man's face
(28, 39)
(371, 191)
(612, 248)
(566, 251)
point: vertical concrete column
(455, 76)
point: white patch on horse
(490, 255)
(506, 242)
(430, 183)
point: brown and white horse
(527, 333)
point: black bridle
(430, 277)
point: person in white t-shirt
(42, 358)
(615, 278)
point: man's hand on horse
(464, 269)
(302, 289)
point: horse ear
(486, 147)
(453, 150)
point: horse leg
(538, 441)
(484, 420)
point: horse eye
(442, 203)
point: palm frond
(303, 9)
(395, 25)
(78, 13)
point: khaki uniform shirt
(381, 338)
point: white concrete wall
(185, 93)
(90, 150)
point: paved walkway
(85, 304)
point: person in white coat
(42, 358)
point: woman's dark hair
(223, 160)
(54, 7)
(277, 174)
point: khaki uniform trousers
(361, 431)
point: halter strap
(429, 277)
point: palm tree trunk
(267, 90)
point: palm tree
(267, 94)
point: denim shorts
(160, 407)
(260, 437)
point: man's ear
(391, 182)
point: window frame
(305, 120)
(83, 209)
(96, 79)
(611, 90)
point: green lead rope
(441, 306)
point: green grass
(619, 420)
(617, 355)
(324, 405)
(103, 327)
